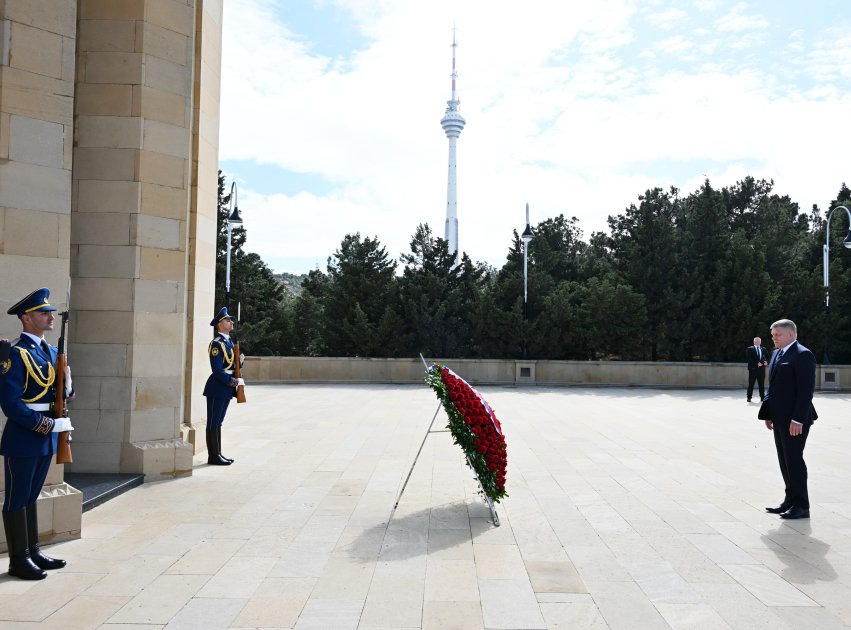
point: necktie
(45, 348)
(776, 362)
(758, 354)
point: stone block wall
(37, 64)
(143, 167)
(108, 176)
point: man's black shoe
(779, 509)
(796, 512)
(749, 399)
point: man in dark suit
(757, 360)
(788, 411)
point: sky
(330, 120)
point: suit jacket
(222, 362)
(753, 360)
(791, 384)
(27, 376)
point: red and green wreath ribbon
(474, 427)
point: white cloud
(674, 45)
(667, 19)
(737, 21)
(558, 115)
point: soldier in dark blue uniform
(221, 385)
(29, 439)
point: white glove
(239, 382)
(62, 424)
(69, 385)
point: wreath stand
(488, 500)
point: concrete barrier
(508, 372)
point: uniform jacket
(753, 360)
(791, 384)
(27, 376)
(222, 363)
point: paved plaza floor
(628, 508)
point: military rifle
(63, 449)
(237, 368)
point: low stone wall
(506, 372)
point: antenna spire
(453, 123)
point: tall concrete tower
(452, 122)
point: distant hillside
(291, 281)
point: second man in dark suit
(757, 360)
(788, 411)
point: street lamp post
(526, 237)
(826, 254)
(234, 219)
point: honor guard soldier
(221, 385)
(27, 377)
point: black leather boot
(20, 564)
(219, 442)
(39, 559)
(214, 456)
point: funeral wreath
(474, 427)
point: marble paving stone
(344, 578)
(834, 597)
(499, 562)
(662, 584)
(325, 614)
(767, 586)
(238, 578)
(624, 605)
(720, 549)
(554, 577)
(799, 617)
(202, 613)
(655, 528)
(510, 604)
(277, 602)
(131, 577)
(451, 581)
(739, 608)
(692, 617)
(483, 530)
(597, 563)
(267, 541)
(389, 608)
(44, 597)
(453, 615)
(450, 544)
(83, 612)
(161, 600)
(564, 598)
(573, 616)
(301, 561)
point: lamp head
(527, 234)
(847, 241)
(235, 218)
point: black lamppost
(826, 252)
(526, 237)
(234, 219)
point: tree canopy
(677, 277)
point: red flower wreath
(474, 428)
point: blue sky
(331, 110)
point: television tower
(452, 122)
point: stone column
(130, 234)
(202, 221)
(37, 39)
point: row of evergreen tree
(676, 278)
